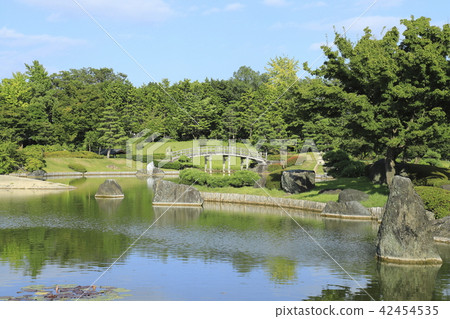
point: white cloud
(136, 10)
(12, 38)
(18, 48)
(276, 3)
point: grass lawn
(92, 165)
(160, 148)
(309, 164)
(377, 193)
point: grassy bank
(377, 193)
(92, 165)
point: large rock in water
(351, 209)
(441, 229)
(169, 193)
(405, 234)
(109, 189)
(348, 195)
(298, 181)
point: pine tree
(110, 129)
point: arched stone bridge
(226, 151)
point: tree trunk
(109, 152)
(389, 164)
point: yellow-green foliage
(77, 167)
(435, 199)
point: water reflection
(108, 205)
(407, 282)
(31, 249)
(176, 215)
(256, 249)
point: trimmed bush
(218, 181)
(273, 180)
(243, 178)
(353, 169)
(171, 165)
(77, 167)
(184, 159)
(192, 175)
(67, 154)
(435, 199)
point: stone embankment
(262, 200)
(376, 212)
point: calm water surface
(220, 252)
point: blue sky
(191, 39)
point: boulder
(405, 233)
(446, 187)
(150, 170)
(441, 229)
(297, 181)
(349, 195)
(169, 193)
(351, 209)
(109, 189)
(38, 173)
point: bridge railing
(217, 150)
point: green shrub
(77, 167)
(184, 159)
(34, 164)
(193, 175)
(423, 175)
(353, 169)
(340, 165)
(273, 180)
(243, 178)
(10, 158)
(435, 199)
(33, 157)
(68, 154)
(437, 182)
(333, 157)
(171, 165)
(218, 181)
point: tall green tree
(111, 130)
(40, 128)
(396, 90)
(15, 96)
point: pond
(218, 252)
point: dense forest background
(377, 97)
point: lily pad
(69, 292)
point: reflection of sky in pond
(225, 252)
